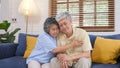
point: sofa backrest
(22, 41)
(93, 37)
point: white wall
(4, 8)
(36, 22)
(4, 11)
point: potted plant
(8, 36)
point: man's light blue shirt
(42, 51)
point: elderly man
(78, 57)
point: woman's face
(54, 30)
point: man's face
(65, 25)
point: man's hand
(76, 43)
(63, 59)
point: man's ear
(70, 21)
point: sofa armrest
(7, 50)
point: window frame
(109, 28)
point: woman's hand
(76, 43)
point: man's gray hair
(62, 15)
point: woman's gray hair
(48, 23)
(62, 15)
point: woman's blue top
(42, 51)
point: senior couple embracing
(61, 45)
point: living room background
(9, 10)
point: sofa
(11, 54)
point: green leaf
(15, 31)
(4, 25)
(7, 37)
(11, 39)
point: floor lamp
(27, 8)
(26, 24)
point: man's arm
(65, 57)
(86, 54)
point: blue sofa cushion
(7, 50)
(13, 62)
(92, 39)
(95, 65)
(22, 43)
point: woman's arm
(73, 44)
(61, 49)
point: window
(91, 15)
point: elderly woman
(73, 57)
(46, 48)
(45, 44)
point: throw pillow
(31, 42)
(105, 50)
(22, 43)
